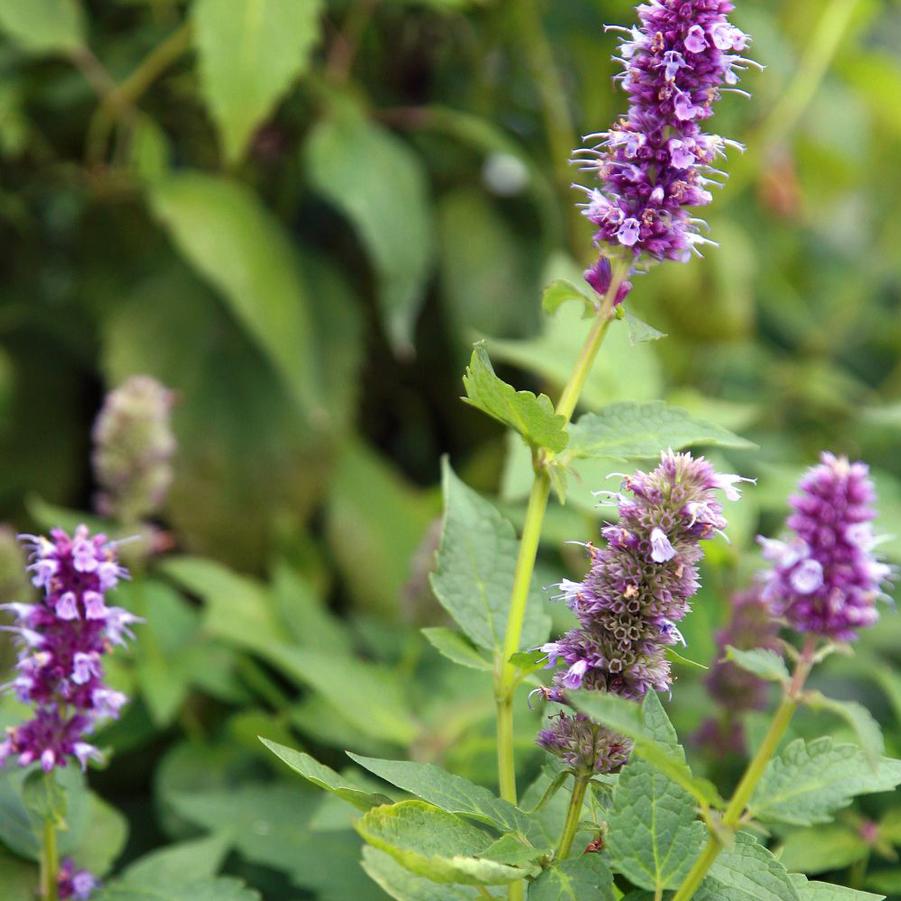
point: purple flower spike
(62, 642)
(825, 580)
(637, 589)
(74, 883)
(656, 163)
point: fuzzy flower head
(62, 641)
(133, 449)
(825, 578)
(657, 163)
(639, 585)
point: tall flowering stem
(62, 641)
(825, 581)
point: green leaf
(18, 877)
(222, 889)
(857, 717)
(435, 844)
(561, 291)
(451, 793)
(574, 880)
(455, 647)
(888, 881)
(103, 838)
(532, 417)
(761, 662)
(653, 735)
(636, 431)
(44, 798)
(640, 332)
(325, 777)
(305, 615)
(398, 882)
(676, 657)
(827, 891)
(189, 861)
(249, 53)
(44, 26)
(809, 781)
(234, 243)
(747, 872)
(380, 185)
(654, 835)
(822, 848)
(474, 575)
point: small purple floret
(74, 883)
(62, 641)
(657, 163)
(825, 580)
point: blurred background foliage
(299, 215)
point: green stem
(753, 774)
(49, 862)
(573, 815)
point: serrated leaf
(249, 52)
(402, 885)
(820, 849)
(561, 291)
(654, 834)
(451, 793)
(455, 647)
(747, 872)
(532, 417)
(574, 880)
(435, 844)
(380, 185)
(640, 332)
(827, 891)
(474, 575)
(44, 26)
(630, 431)
(234, 243)
(809, 781)
(325, 777)
(761, 662)
(857, 717)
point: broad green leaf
(532, 417)
(249, 53)
(44, 798)
(820, 849)
(636, 431)
(325, 777)
(403, 885)
(553, 355)
(654, 834)
(890, 826)
(747, 872)
(44, 26)
(574, 880)
(103, 838)
(655, 720)
(888, 881)
(857, 717)
(827, 891)
(474, 575)
(516, 851)
(561, 291)
(435, 844)
(221, 889)
(197, 859)
(242, 250)
(305, 615)
(19, 878)
(455, 647)
(809, 781)
(761, 662)
(380, 185)
(451, 793)
(376, 523)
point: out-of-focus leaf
(761, 662)
(532, 417)
(379, 184)
(18, 877)
(866, 729)
(222, 889)
(375, 524)
(186, 861)
(455, 647)
(234, 243)
(304, 615)
(474, 576)
(44, 26)
(103, 838)
(249, 53)
(822, 848)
